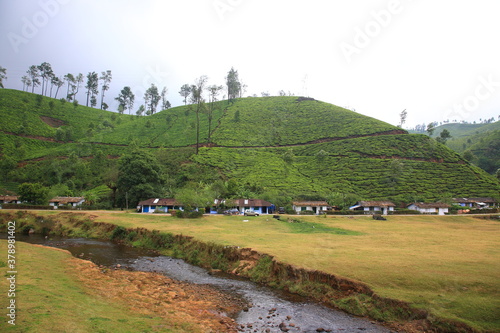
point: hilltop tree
(443, 136)
(76, 86)
(152, 98)
(233, 84)
(45, 70)
(3, 76)
(126, 99)
(58, 82)
(26, 82)
(165, 104)
(185, 92)
(70, 79)
(402, 117)
(33, 75)
(430, 128)
(106, 79)
(214, 91)
(140, 110)
(92, 86)
(197, 98)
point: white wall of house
(442, 211)
(319, 209)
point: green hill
(272, 147)
(479, 143)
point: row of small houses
(318, 207)
(263, 207)
(55, 202)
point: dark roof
(251, 202)
(64, 200)
(159, 202)
(310, 203)
(474, 200)
(430, 205)
(376, 204)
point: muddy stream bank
(267, 310)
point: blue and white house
(257, 205)
(158, 205)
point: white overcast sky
(437, 59)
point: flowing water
(269, 310)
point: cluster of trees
(44, 77)
(235, 88)
(422, 128)
(195, 93)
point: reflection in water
(269, 310)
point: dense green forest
(274, 148)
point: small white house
(374, 207)
(66, 201)
(13, 199)
(315, 206)
(430, 208)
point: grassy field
(447, 265)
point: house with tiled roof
(258, 205)
(315, 206)
(66, 201)
(158, 205)
(14, 199)
(430, 208)
(374, 207)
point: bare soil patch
(151, 294)
(53, 122)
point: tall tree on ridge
(164, 102)
(46, 72)
(402, 117)
(33, 75)
(78, 83)
(70, 79)
(197, 98)
(26, 82)
(92, 85)
(185, 92)
(153, 98)
(233, 84)
(106, 79)
(58, 82)
(126, 99)
(214, 91)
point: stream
(269, 311)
